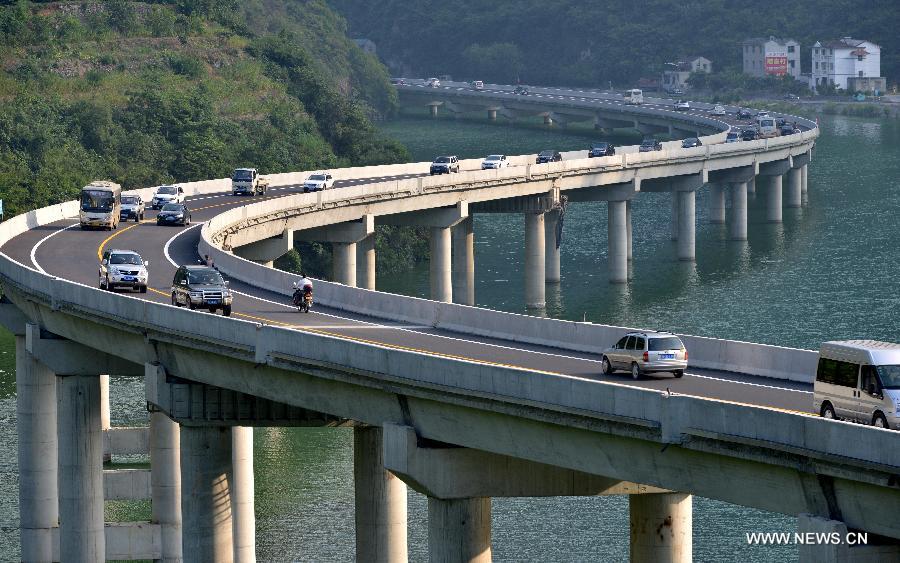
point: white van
(859, 380)
(766, 126)
(101, 205)
(634, 97)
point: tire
(679, 373)
(108, 287)
(635, 371)
(226, 310)
(607, 366)
(827, 411)
(191, 305)
(175, 300)
(143, 289)
(879, 421)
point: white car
(718, 110)
(477, 85)
(682, 105)
(494, 161)
(167, 194)
(123, 268)
(433, 82)
(318, 181)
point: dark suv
(748, 135)
(548, 156)
(521, 90)
(444, 165)
(648, 145)
(201, 287)
(601, 149)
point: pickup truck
(248, 181)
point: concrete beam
(126, 441)
(650, 129)
(131, 541)
(683, 183)
(67, 357)
(801, 160)
(349, 232)
(610, 192)
(457, 473)
(775, 168)
(737, 175)
(268, 249)
(126, 484)
(12, 318)
(440, 218)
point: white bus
(634, 96)
(101, 204)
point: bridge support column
(463, 235)
(548, 121)
(380, 501)
(839, 552)
(738, 229)
(661, 528)
(804, 183)
(751, 186)
(242, 495)
(104, 412)
(366, 262)
(535, 261)
(36, 418)
(686, 225)
(81, 528)
(441, 274)
(794, 188)
(459, 530)
(716, 203)
(206, 500)
(434, 110)
(492, 114)
(674, 232)
(628, 227)
(551, 255)
(773, 200)
(617, 231)
(344, 263)
(165, 484)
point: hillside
(592, 43)
(146, 93)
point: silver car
(123, 268)
(646, 352)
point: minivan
(859, 381)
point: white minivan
(859, 380)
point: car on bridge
(167, 194)
(521, 90)
(643, 352)
(788, 129)
(444, 165)
(649, 145)
(201, 287)
(733, 136)
(682, 105)
(174, 214)
(744, 113)
(718, 110)
(123, 268)
(398, 82)
(601, 148)
(749, 134)
(433, 83)
(477, 85)
(691, 142)
(494, 161)
(544, 157)
(318, 182)
(132, 208)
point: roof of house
(844, 43)
(762, 40)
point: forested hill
(578, 42)
(150, 92)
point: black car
(201, 287)
(548, 156)
(174, 214)
(744, 113)
(749, 135)
(398, 82)
(691, 142)
(521, 90)
(601, 149)
(788, 129)
(648, 145)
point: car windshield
(889, 376)
(668, 343)
(171, 207)
(205, 277)
(125, 259)
(546, 153)
(493, 157)
(648, 142)
(168, 190)
(691, 140)
(442, 159)
(600, 146)
(129, 200)
(242, 175)
(97, 200)
(767, 123)
(317, 177)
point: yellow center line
(110, 237)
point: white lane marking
(34, 248)
(169, 243)
(748, 383)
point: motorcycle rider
(305, 283)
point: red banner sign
(776, 65)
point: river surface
(828, 272)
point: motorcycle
(302, 298)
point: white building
(848, 64)
(675, 77)
(771, 57)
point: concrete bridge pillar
(492, 114)
(804, 179)
(105, 423)
(344, 263)
(165, 484)
(459, 530)
(794, 188)
(674, 231)
(441, 273)
(81, 526)
(773, 200)
(738, 229)
(716, 203)
(36, 419)
(380, 501)
(617, 230)
(548, 121)
(463, 235)
(206, 476)
(242, 495)
(434, 110)
(551, 255)
(686, 225)
(628, 227)
(535, 261)
(661, 528)
(751, 186)
(366, 262)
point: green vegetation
(574, 42)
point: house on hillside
(849, 64)
(771, 57)
(675, 77)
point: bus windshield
(97, 201)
